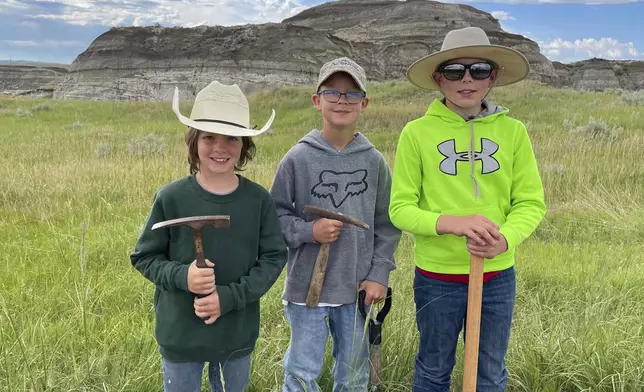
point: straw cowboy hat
(220, 108)
(470, 42)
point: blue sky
(59, 30)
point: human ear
(316, 102)
(437, 79)
(365, 103)
(493, 75)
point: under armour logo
(448, 150)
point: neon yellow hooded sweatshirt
(447, 165)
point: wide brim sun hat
(470, 42)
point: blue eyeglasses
(333, 96)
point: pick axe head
(319, 268)
(196, 223)
(329, 214)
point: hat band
(221, 122)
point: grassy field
(77, 179)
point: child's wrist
(444, 224)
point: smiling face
(466, 92)
(343, 113)
(218, 154)
(213, 153)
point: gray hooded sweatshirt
(355, 181)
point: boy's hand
(374, 290)
(208, 307)
(487, 251)
(477, 228)
(326, 230)
(201, 280)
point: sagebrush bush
(43, 107)
(634, 98)
(75, 125)
(20, 112)
(149, 145)
(103, 149)
(598, 130)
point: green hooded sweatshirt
(249, 256)
(447, 165)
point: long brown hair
(192, 139)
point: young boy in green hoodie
(465, 182)
(211, 314)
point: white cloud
(46, 43)
(608, 48)
(20, 43)
(28, 24)
(502, 15)
(588, 2)
(188, 13)
(12, 4)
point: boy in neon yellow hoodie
(465, 182)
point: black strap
(221, 122)
(386, 308)
(375, 326)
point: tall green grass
(76, 183)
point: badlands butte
(384, 36)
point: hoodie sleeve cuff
(432, 220)
(510, 237)
(380, 272)
(226, 299)
(305, 232)
(181, 277)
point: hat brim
(514, 65)
(349, 72)
(215, 127)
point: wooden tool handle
(473, 326)
(375, 366)
(317, 279)
(201, 261)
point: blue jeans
(186, 376)
(305, 354)
(441, 309)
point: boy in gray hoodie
(339, 169)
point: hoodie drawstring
(470, 153)
(470, 156)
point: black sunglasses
(478, 71)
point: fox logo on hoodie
(338, 186)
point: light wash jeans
(441, 308)
(186, 376)
(305, 354)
